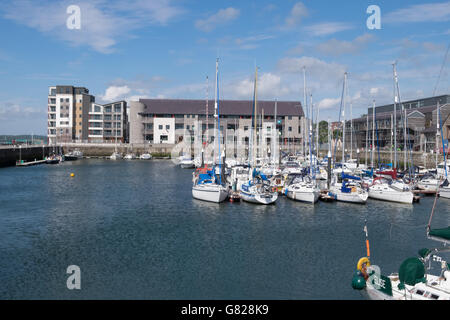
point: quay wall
(105, 150)
(427, 160)
(9, 155)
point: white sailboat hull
(430, 185)
(304, 196)
(353, 197)
(444, 192)
(259, 198)
(386, 193)
(210, 193)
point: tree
(323, 132)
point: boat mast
(274, 132)
(207, 113)
(367, 135)
(215, 110)
(373, 133)
(392, 133)
(255, 118)
(218, 119)
(351, 130)
(343, 116)
(306, 106)
(317, 133)
(437, 134)
(310, 135)
(395, 116)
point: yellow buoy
(363, 263)
(72, 175)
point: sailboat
(412, 282)
(349, 190)
(207, 185)
(116, 155)
(303, 189)
(392, 190)
(257, 189)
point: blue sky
(166, 48)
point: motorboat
(145, 156)
(116, 156)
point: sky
(126, 50)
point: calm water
(136, 233)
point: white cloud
(335, 47)
(103, 23)
(327, 28)
(429, 12)
(269, 86)
(298, 12)
(114, 93)
(329, 103)
(223, 16)
(16, 110)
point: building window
(160, 127)
(67, 99)
(290, 128)
(245, 128)
(167, 127)
(290, 118)
(164, 138)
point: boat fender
(358, 281)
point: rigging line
(442, 68)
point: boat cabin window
(435, 297)
(419, 292)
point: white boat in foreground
(382, 190)
(206, 187)
(258, 194)
(302, 189)
(349, 191)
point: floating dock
(30, 163)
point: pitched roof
(226, 107)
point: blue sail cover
(347, 176)
(257, 173)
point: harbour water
(136, 233)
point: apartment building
(421, 125)
(167, 120)
(68, 109)
(108, 123)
